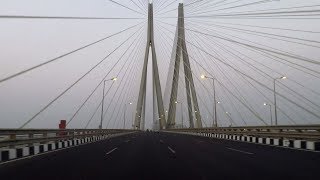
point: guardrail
(306, 137)
(15, 137)
(296, 132)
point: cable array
(256, 52)
(245, 56)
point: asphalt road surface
(151, 155)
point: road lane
(72, 162)
(210, 155)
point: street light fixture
(275, 97)
(214, 99)
(266, 104)
(104, 86)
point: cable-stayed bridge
(202, 89)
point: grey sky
(25, 43)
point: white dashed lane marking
(173, 152)
(111, 151)
(240, 151)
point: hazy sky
(28, 42)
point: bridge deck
(166, 156)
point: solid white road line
(111, 151)
(171, 150)
(240, 151)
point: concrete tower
(182, 55)
(140, 111)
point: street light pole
(177, 102)
(266, 104)
(132, 120)
(275, 98)
(215, 122)
(215, 104)
(104, 86)
(124, 115)
(229, 115)
(181, 115)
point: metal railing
(16, 137)
(303, 132)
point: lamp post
(104, 86)
(229, 115)
(177, 102)
(218, 102)
(215, 123)
(124, 114)
(266, 104)
(275, 98)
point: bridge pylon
(140, 111)
(181, 54)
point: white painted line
(171, 150)
(111, 151)
(240, 151)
